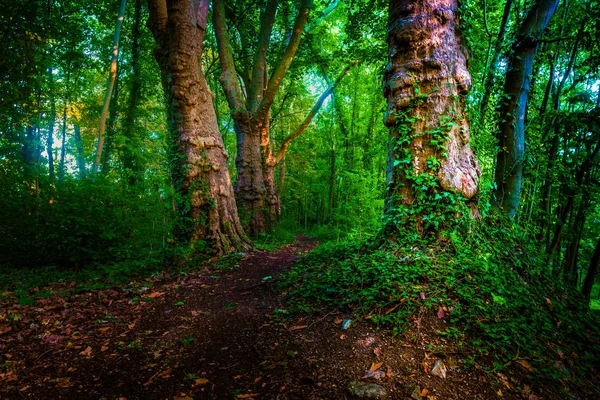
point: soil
(221, 334)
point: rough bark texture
(509, 163)
(206, 203)
(426, 80)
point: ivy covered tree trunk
(207, 211)
(509, 162)
(431, 167)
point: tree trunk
(63, 139)
(63, 145)
(250, 189)
(582, 171)
(570, 267)
(130, 160)
(207, 214)
(51, 123)
(80, 155)
(509, 162)
(111, 126)
(426, 81)
(250, 109)
(109, 89)
(490, 74)
(590, 277)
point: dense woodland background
(67, 205)
(444, 154)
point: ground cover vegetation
(444, 154)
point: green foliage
(500, 300)
(79, 223)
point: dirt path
(217, 334)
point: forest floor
(219, 333)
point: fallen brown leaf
(525, 364)
(155, 294)
(375, 367)
(377, 351)
(389, 373)
(200, 381)
(246, 396)
(338, 321)
(87, 352)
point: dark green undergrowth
(502, 301)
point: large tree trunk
(509, 163)
(426, 81)
(250, 190)
(207, 212)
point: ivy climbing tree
(431, 168)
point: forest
(300, 199)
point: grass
(501, 300)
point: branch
(556, 40)
(311, 115)
(286, 59)
(328, 10)
(260, 56)
(229, 79)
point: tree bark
(509, 162)
(207, 214)
(590, 277)
(426, 81)
(109, 89)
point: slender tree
(592, 272)
(130, 160)
(426, 80)
(111, 84)
(509, 162)
(206, 205)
